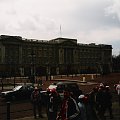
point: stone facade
(23, 57)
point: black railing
(9, 113)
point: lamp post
(32, 67)
(57, 70)
(99, 67)
(48, 71)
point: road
(17, 109)
(24, 109)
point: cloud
(86, 20)
(114, 9)
(77, 14)
(103, 36)
(100, 36)
(21, 18)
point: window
(0, 55)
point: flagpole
(60, 31)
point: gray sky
(89, 21)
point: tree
(116, 63)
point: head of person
(81, 98)
(95, 89)
(101, 87)
(66, 93)
(107, 88)
(53, 92)
(101, 84)
(36, 89)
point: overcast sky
(89, 21)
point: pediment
(68, 43)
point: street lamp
(32, 67)
(48, 72)
(57, 70)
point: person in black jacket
(69, 108)
(100, 99)
(104, 101)
(108, 100)
(53, 105)
(36, 100)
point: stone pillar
(84, 79)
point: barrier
(13, 110)
(8, 110)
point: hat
(101, 85)
(81, 96)
(36, 88)
(107, 86)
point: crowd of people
(90, 106)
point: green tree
(116, 63)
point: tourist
(69, 108)
(36, 100)
(53, 105)
(118, 91)
(82, 107)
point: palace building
(25, 57)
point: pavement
(116, 110)
(32, 118)
(116, 114)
